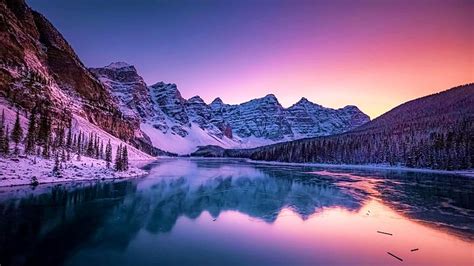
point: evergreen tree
(125, 159)
(101, 151)
(69, 139)
(79, 146)
(3, 136)
(96, 148)
(6, 144)
(90, 146)
(44, 130)
(57, 165)
(30, 140)
(108, 154)
(63, 155)
(118, 158)
(17, 132)
(74, 143)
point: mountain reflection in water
(191, 211)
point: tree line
(450, 147)
(41, 139)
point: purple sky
(374, 54)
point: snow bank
(20, 171)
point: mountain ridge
(434, 131)
(252, 123)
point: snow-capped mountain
(180, 125)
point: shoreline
(466, 173)
(86, 170)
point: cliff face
(39, 67)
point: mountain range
(435, 131)
(180, 125)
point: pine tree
(44, 130)
(101, 151)
(90, 146)
(63, 155)
(79, 148)
(17, 132)
(57, 165)
(6, 144)
(108, 154)
(31, 133)
(74, 143)
(3, 136)
(125, 159)
(118, 158)
(96, 148)
(69, 139)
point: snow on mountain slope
(180, 125)
(78, 124)
(195, 137)
(134, 155)
(19, 170)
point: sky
(375, 54)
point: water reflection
(114, 222)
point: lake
(234, 212)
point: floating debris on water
(385, 233)
(395, 256)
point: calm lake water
(232, 212)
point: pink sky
(373, 54)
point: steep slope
(39, 69)
(436, 131)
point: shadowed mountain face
(111, 215)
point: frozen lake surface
(233, 212)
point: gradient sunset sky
(373, 54)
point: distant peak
(271, 96)
(351, 107)
(118, 65)
(217, 101)
(306, 103)
(162, 84)
(196, 99)
(303, 100)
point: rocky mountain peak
(305, 103)
(271, 98)
(119, 65)
(196, 99)
(169, 99)
(217, 101)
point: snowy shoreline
(468, 173)
(20, 171)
